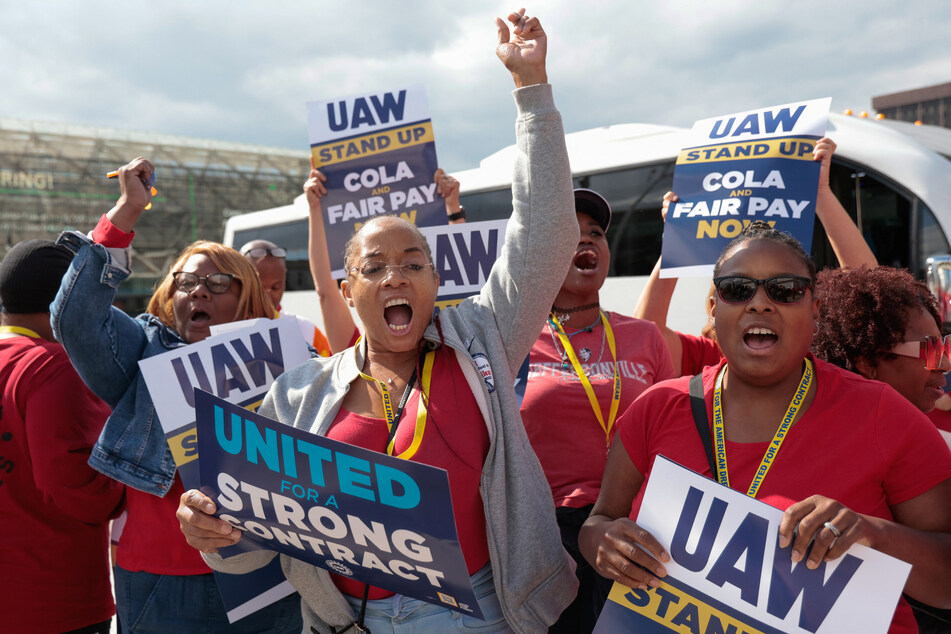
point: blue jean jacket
(105, 346)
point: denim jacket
(105, 346)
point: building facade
(53, 177)
(930, 105)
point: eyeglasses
(782, 289)
(376, 270)
(934, 351)
(216, 283)
(261, 252)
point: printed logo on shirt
(594, 371)
(482, 364)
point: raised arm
(846, 239)
(542, 232)
(104, 344)
(654, 302)
(448, 188)
(338, 321)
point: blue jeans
(186, 604)
(401, 614)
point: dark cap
(30, 274)
(588, 201)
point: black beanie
(30, 274)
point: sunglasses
(782, 289)
(934, 351)
(216, 283)
(261, 252)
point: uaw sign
(381, 520)
(239, 365)
(728, 573)
(378, 153)
(464, 255)
(755, 165)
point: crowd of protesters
(546, 486)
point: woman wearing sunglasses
(691, 353)
(884, 324)
(457, 375)
(857, 463)
(161, 583)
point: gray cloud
(242, 72)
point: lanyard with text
(13, 331)
(393, 418)
(585, 382)
(719, 437)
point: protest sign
(363, 514)
(728, 573)
(738, 168)
(464, 255)
(239, 365)
(379, 155)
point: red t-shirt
(556, 411)
(859, 442)
(152, 539)
(940, 418)
(456, 439)
(698, 353)
(54, 508)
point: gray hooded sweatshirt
(533, 575)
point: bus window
(293, 237)
(931, 238)
(494, 204)
(886, 219)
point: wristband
(459, 215)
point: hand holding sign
(834, 527)
(523, 50)
(201, 528)
(628, 554)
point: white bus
(897, 188)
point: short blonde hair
(252, 301)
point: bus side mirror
(938, 278)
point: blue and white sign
(755, 165)
(464, 255)
(379, 155)
(239, 362)
(381, 520)
(728, 573)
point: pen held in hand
(153, 191)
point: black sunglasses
(216, 283)
(782, 289)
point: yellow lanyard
(585, 382)
(391, 416)
(13, 331)
(719, 438)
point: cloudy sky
(242, 71)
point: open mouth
(760, 338)
(398, 315)
(200, 318)
(586, 260)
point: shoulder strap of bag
(699, 408)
